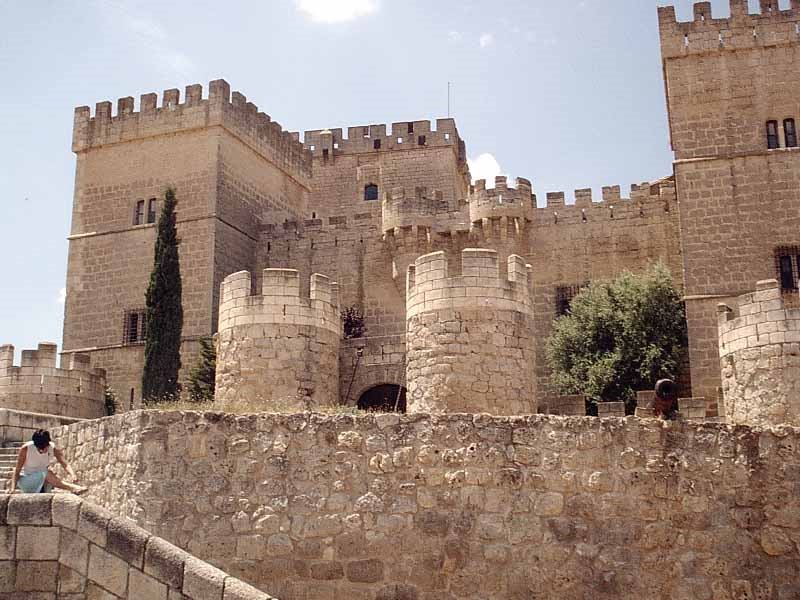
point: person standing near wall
(32, 472)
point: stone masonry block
(108, 570)
(37, 543)
(144, 586)
(74, 551)
(65, 510)
(4, 508)
(95, 592)
(201, 581)
(165, 562)
(127, 541)
(29, 509)
(37, 576)
(70, 582)
(8, 575)
(93, 524)
(238, 590)
(8, 539)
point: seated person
(32, 473)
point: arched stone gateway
(386, 397)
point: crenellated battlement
(38, 384)
(403, 209)
(433, 284)
(280, 301)
(404, 135)
(502, 201)
(645, 200)
(741, 30)
(221, 108)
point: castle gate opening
(387, 397)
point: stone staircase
(8, 458)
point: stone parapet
(742, 30)
(501, 202)
(387, 506)
(646, 200)
(279, 346)
(760, 358)
(404, 135)
(416, 210)
(221, 108)
(61, 547)
(469, 335)
(74, 389)
(19, 426)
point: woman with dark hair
(32, 473)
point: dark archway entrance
(382, 398)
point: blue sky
(568, 94)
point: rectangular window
(790, 133)
(138, 213)
(325, 154)
(151, 210)
(564, 296)
(787, 262)
(772, 135)
(376, 144)
(421, 140)
(410, 127)
(134, 327)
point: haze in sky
(568, 94)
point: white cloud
(62, 295)
(484, 166)
(486, 39)
(336, 11)
(454, 36)
(146, 32)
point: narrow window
(366, 132)
(421, 140)
(371, 192)
(772, 135)
(376, 144)
(134, 327)
(787, 273)
(410, 127)
(138, 213)
(790, 132)
(325, 154)
(151, 210)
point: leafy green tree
(619, 336)
(162, 351)
(201, 379)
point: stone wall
(725, 78)
(279, 348)
(37, 385)
(424, 507)
(469, 335)
(760, 358)
(58, 547)
(19, 426)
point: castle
(472, 495)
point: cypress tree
(201, 379)
(162, 358)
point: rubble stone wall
(760, 358)
(426, 507)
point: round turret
(759, 358)
(279, 350)
(469, 336)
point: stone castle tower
(732, 96)
(361, 205)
